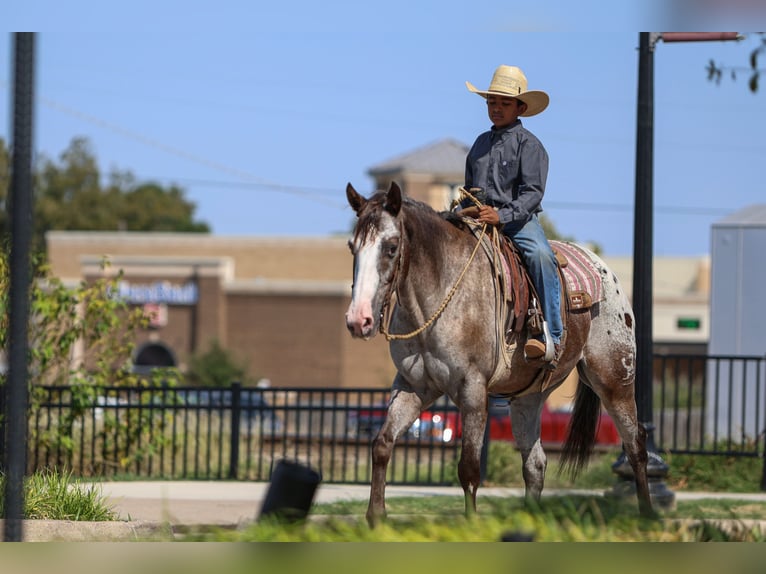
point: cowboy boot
(534, 349)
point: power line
(628, 207)
(326, 194)
(251, 181)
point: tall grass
(54, 495)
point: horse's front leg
(403, 409)
(526, 413)
(474, 415)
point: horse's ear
(393, 199)
(355, 200)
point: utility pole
(643, 254)
(15, 389)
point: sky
(263, 112)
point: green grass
(54, 495)
(708, 473)
(714, 473)
(554, 519)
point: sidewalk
(151, 509)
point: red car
(444, 424)
(553, 427)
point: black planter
(291, 492)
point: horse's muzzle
(361, 326)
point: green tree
(552, 233)
(150, 207)
(5, 171)
(70, 195)
(216, 367)
(715, 72)
(81, 339)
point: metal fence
(229, 433)
(710, 404)
(702, 405)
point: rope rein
(388, 307)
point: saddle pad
(580, 273)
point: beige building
(278, 304)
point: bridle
(386, 311)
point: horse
(443, 338)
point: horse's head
(376, 246)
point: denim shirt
(511, 165)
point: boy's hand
(483, 214)
(488, 215)
(471, 211)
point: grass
(570, 518)
(54, 495)
(707, 473)
(554, 519)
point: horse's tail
(582, 429)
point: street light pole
(15, 388)
(643, 256)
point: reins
(387, 312)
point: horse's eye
(390, 247)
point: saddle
(579, 279)
(580, 285)
(521, 292)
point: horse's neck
(433, 257)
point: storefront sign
(158, 292)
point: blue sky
(264, 113)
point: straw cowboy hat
(510, 81)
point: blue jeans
(540, 261)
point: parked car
(255, 411)
(366, 422)
(444, 424)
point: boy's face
(504, 110)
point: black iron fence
(710, 404)
(702, 405)
(231, 433)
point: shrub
(216, 367)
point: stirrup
(550, 348)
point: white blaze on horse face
(363, 312)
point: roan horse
(445, 303)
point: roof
(753, 215)
(445, 156)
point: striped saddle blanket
(582, 277)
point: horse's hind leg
(526, 413)
(619, 400)
(622, 409)
(403, 409)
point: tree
(81, 340)
(5, 183)
(552, 233)
(216, 367)
(716, 71)
(149, 207)
(69, 195)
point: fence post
(763, 474)
(236, 410)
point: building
(278, 304)
(737, 317)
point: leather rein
(386, 312)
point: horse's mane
(419, 218)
